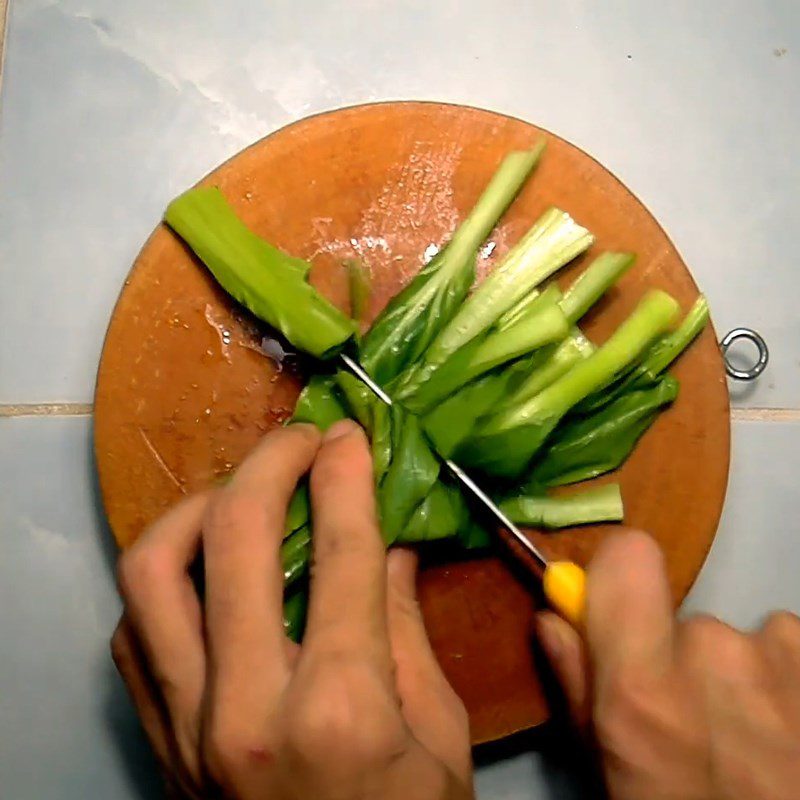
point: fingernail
(341, 428)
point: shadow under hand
(566, 764)
(135, 756)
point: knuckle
(626, 704)
(140, 566)
(345, 718)
(719, 649)
(783, 626)
(230, 511)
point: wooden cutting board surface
(184, 388)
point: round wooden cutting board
(185, 389)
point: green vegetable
(543, 324)
(359, 285)
(295, 554)
(593, 282)
(585, 447)
(439, 516)
(656, 359)
(599, 504)
(262, 278)
(358, 398)
(412, 319)
(553, 241)
(411, 474)
(551, 364)
(297, 515)
(295, 607)
(318, 403)
(507, 441)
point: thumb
(566, 653)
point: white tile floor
(107, 109)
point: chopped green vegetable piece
(318, 403)
(553, 241)
(412, 319)
(295, 607)
(262, 278)
(298, 513)
(381, 441)
(598, 504)
(585, 447)
(552, 363)
(439, 516)
(656, 359)
(358, 398)
(541, 326)
(411, 475)
(295, 555)
(359, 285)
(593, 282)
(506, 442)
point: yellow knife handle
(564, 585)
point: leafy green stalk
(598, 504)
(414, 317)
(262, 278)
(439, 516)
(646, 372)
(585, 447)
(506, 442)
(556, 361)
(411, 474)
(540, 327)
(319, 403)
(593, 282)
(454, 419)
(295, 555)
(665, 351)
(359, 287)
(554, 240)
(294, 614)
(358, 398)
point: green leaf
(262, 278)
(319, 403)
(295, 555)
(484, 354)
(439, 516)
(295, 607)
(358, 398)
(411, 475)
(506, 442)
(585, 447)
(298, 513)
(358, 283)
(554, 240)
(414, 317)
(598, 504)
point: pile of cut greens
(501, 379)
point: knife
(563, 582)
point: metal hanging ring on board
(763, 353)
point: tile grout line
(3, 25)
(85, 409)
(45, 410)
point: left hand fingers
(248, 663)
(347, 606)
(434, 712)
(163, 609)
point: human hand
(679, 710)
(360, 710)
